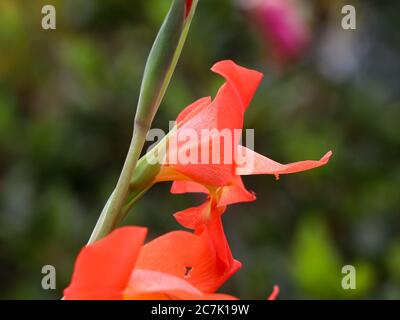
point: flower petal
(274, 293)
(154, 285)
(243, 82)
(187, 186)
(235, 193)
(157, 285)
(216, 233)
(191, 257)
(102, 269)
(194, 217)
(220, 117)
(206, 219)
(191, 110)
(256, 163)
(218, 296)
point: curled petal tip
(224, 67)
(326, 157)
(220, 63)
(274, 293)
(243, 82)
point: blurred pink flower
(284, 27)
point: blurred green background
(67, 99)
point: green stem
(112, 214)
(159, 68)
(146, 171)
(104, 225)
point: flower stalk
(158, 72)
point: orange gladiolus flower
(177, 265)
(218, 178)
(219, 122)
(204, 118)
